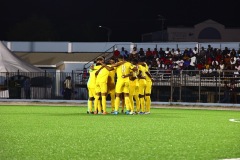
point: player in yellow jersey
(134, 86)
(142, 86)
(101, 85)
(91, 87)
(123, 69)
(149, 81)
(111, 83)
(91, 90)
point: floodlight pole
(108, 33)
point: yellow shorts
(122, 86)
(133, 87)
(91, 92)
(101, 87)
(148, 87)
(137, 90)
(142, 86)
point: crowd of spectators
(207, 60)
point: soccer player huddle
(130, 81)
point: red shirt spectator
(155, 53)
(149, 53)
(116, 53)
(200, 66)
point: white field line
(231, 159)
(235, 120)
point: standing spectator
(195, 51)
(67, 88)
(27, 88)
(124, 53)
(116, 53)
(226, 97)
(233, 94)
(192, 64)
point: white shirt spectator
(193, 61)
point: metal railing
(169, 85)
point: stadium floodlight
(108, 33)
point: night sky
(78, 21)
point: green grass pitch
(67, 132)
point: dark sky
(72, 20)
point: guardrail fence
(172, 85)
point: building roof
(55, 58)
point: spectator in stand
(225, 51)
(116, 53)
(209, 54)
(215, 67)
(218, 56)
(215, 62)
(172, 51)
(238, 54)
(154, 64)
(167, 51)
(185, 52)
(227, 61)
(149, 55)
(192, 64)
(200, 66)
(155, 53)
(195, 51)
(233, 60)
(124, 53)
(203, 52)
(237, 66)
(161, 65)
(190, 52)
(185, 56)
(186, 63)
(142, 55)
(221, 66)
(134, 54)
(180, 63)
(161, 53)
(177, 53)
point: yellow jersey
(111, 76)
(92, 78)
(123, 70)
(102, 76)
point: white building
(207, 31)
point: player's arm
(128, 75)
(140, 76)
(118, 63)
(149, 75)
(109, 68)
(142, 63)
(131, 77)
(97, 72)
